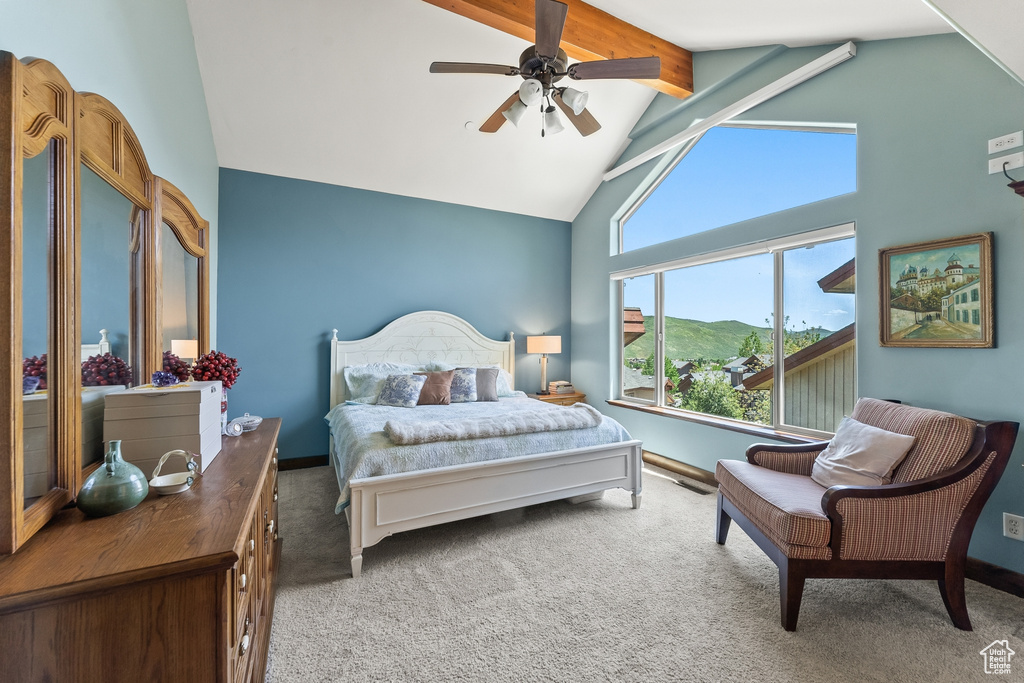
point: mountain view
(689, 339)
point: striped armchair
(917, 527)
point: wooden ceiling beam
(590, 34)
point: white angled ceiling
(338, 91)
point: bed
(379, 505)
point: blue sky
(703, 192)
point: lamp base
(544, 393)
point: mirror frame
(37, 104)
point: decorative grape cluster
(105, 370)
(176, 366)
(216, 366)
(35, 367)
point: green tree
(671, 373)
(713, 394)
(753, 345)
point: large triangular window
(733, 174)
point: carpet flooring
(597, 592)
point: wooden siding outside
(819, 394)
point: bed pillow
(860, 455)
(401, 391)
(464, 385)
(504, 381)
(487, 384)
(437, 389)
(364, 382)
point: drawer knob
(242, 580)
(270, 527)
(275, 497)
(252, 544)
(244, 646)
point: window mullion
(779, 348)
(659, 339)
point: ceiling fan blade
(630, 67)
(550, 18)
(472, 68)
(496, 119)
(585, 123)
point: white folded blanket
(576, 416)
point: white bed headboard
(96, 349)
(420, 338)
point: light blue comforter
(362, 450)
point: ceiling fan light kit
(544, 64)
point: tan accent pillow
(437, 391)
(860, 455)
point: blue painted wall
(924, 109)
(141, 57)
(299, 258)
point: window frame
(777, 247)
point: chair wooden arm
(790, 458)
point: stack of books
(561, 387)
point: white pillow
(364, 382)
(860, 455)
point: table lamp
(544, 344)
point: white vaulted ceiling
(338, 91)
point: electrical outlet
(1015, 160)
(1006, 142)
(1013, 526)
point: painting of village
(938, 293)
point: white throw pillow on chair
(860, 455)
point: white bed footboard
(381, 506)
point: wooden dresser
(181, 588)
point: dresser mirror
(39, 458)
(109, 238)
(180, 290)
(86, 236)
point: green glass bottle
(114, 487)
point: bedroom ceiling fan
(541, 66)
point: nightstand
(560, 399)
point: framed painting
(938, 293)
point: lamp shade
(515, 112)
(531, 91)
(548, 343)
(552, 124)
(575, 100)
(185, 348)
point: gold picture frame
(937, 293)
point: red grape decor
(176, 366)
(216, 366)
(105, 370)
(35, 366)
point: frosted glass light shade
(548, 343)
(185, 348)
(575, 100)
(552, 122)
(515, 113)
(531, 91)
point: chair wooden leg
(791, 590)
(951, 587)
(722, 522)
